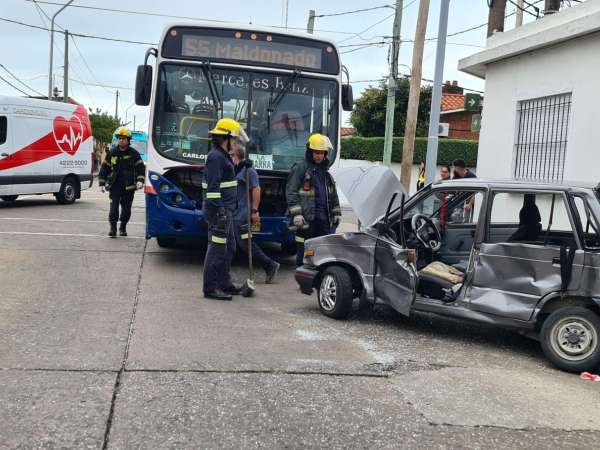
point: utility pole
(519, 14)
(412, 113)
(551, 6)
(52, 47)
(284, 14)
(436, 95)
(133, 129)
(391, 96)
(496, 17)
(310, 27)
(66, 69)
(117, 105)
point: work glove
(336, 221)
(139, 185)
(299, 221)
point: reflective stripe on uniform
(218, 240)
(113, 160)
(204, 185)
(295, 210)
(139, 162)
(213, 195)
(228, 184)
(130, 187)
(140, 178)
(244, 236)
(300, 239)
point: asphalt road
(108, 343)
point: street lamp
(52, 46)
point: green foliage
(371, 149)
(103, 126)
(368, 115)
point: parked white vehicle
(45, 147)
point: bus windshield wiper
(212, 86)
(275, 102)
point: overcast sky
(25, 51)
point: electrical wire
(87, 65)
(17, 79)
(355, 11)
(516, 5)
(13, 86)
(406, 75)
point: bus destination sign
(252, 51)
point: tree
(103, 126)
(368, 116)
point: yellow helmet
(229, 127)
(123, 131)
(319, 142)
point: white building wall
(573, 66)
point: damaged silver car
(520, 255)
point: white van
(45, 147)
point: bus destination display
(195, 46)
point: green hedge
(371, 149)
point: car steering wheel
(426, 232)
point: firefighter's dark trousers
(220, 252)
(124, 199)
(318, 227)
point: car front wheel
(9, 198)
(335, 293)
(570, 339)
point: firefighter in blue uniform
(220, 201)
(313, 203)
(121, 173)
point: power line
(86, 64)
(537, 15)
(406, 75)
(17, 79)
(355, 11)
(144, 13)
(376, 23)
(13, 86)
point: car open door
(395, 276)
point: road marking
(68, 234)
(64, 220)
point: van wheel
(9, 198)
(335, 293)
(68, 192)
(165, 242)
(569, 339)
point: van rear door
(6, 186)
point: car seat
(438, 280)
(530, 221)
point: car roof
(517, 184)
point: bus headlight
(164, 188)
(178, 198)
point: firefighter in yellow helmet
(313, 203)
(121, 173)
(219, 186)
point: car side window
(450, 206)
(589, 224)
(533, 218)
(3, 129)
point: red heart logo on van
(68, 134)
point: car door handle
(556, 261)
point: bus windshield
(278, 111)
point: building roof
(347, 131)
(553, 29)
(452, 101)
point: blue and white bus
(280, 86)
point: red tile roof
(348, 131)
(452, 101)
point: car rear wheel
(335, 293)
(570, 339)
(9, 198)
(68, 192)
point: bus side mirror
(143, 85)
(347, 99)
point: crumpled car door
(395, 279)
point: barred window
(541, 144)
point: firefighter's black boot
(123, 230)
(113, 230)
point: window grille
(541, 144)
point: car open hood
(369, 190)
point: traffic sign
(473, 102)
